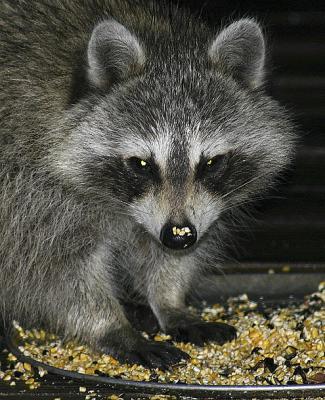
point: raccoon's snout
(178, 237)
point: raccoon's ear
(114, 54)
(240, 51)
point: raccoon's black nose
(178, 237)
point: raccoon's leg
(95, 316)
(167, 290)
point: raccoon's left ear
(114, 54)
(240, 51)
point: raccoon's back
(42, 58)
(42, 41)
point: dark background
(291, 224)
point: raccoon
(131, 134)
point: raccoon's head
(177, 130)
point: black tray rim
(229, 392)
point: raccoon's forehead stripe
(178, 162)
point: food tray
(276, 283)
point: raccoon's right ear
(239, 50)
(114, 54)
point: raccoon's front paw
(200, 332)
(150, 354)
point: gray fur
(79, 232)
(240, 50)
(113, 54)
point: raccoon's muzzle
(178, 237)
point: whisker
(121, 202)
(244, 184)
(241, 203)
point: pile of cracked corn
(275, 346)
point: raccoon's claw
(151, 354)
(161, 355)
(199, 333)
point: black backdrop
(291, 224)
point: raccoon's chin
(180, 253)
(177, 252)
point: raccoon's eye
(139, 165)
(213, 165)
(214, 162)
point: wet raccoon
(129, 132)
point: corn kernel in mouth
(181, 231)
